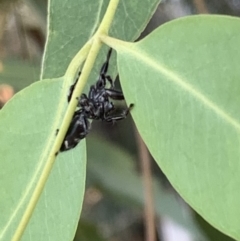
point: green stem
(95, 45)
(77, 61)
(113, 42)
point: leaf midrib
(179, 81)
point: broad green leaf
(72, 23)
(33, 117)
(212, 233)
(28, 124)
(184, 80)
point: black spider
(101, 82)
(77, 130)
(96, 105)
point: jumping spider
(96, 105)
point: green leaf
(28, 124)
(212, 233)
(184, 80)
(33, 117)
(72, 24)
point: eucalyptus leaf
(72, 24)
(184, 79)
(28, 124)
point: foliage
(183, 79)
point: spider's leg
(101, 83)
(115, 94)
(109, 78)
(72, 87)
(120, 116)
(104, 68)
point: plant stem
(200, 6)
(95, 45)
(78, 60)
(149, 217)
(113, 42)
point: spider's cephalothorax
(96, 105)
